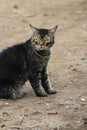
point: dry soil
(67, 67)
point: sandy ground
(67, 67)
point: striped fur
(24, 62)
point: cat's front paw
(52, 91)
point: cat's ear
(34, 29)
(53, 30)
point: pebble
(83, 58)
(48, 104)
(15, 6)
(71, 82)
(6, 103)
(3, 125)
(83, 100)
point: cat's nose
(41, 46)
(41, 43)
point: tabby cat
(27, 61)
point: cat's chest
(38, 62)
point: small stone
(71, 82)
(83, 58)
(83, 100)
(74, 69)
(48, 104)
(7, 103)
(3, 125)
(15, 6)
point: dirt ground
(67, 67)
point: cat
(27, 61)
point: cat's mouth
(43, 48)
(44, 52)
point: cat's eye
(36, 39)
(47, 39)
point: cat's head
(42, 39)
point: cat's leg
(46, 82)
(7, 92)
(36, 85)
(11, 92)
(16, 92)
